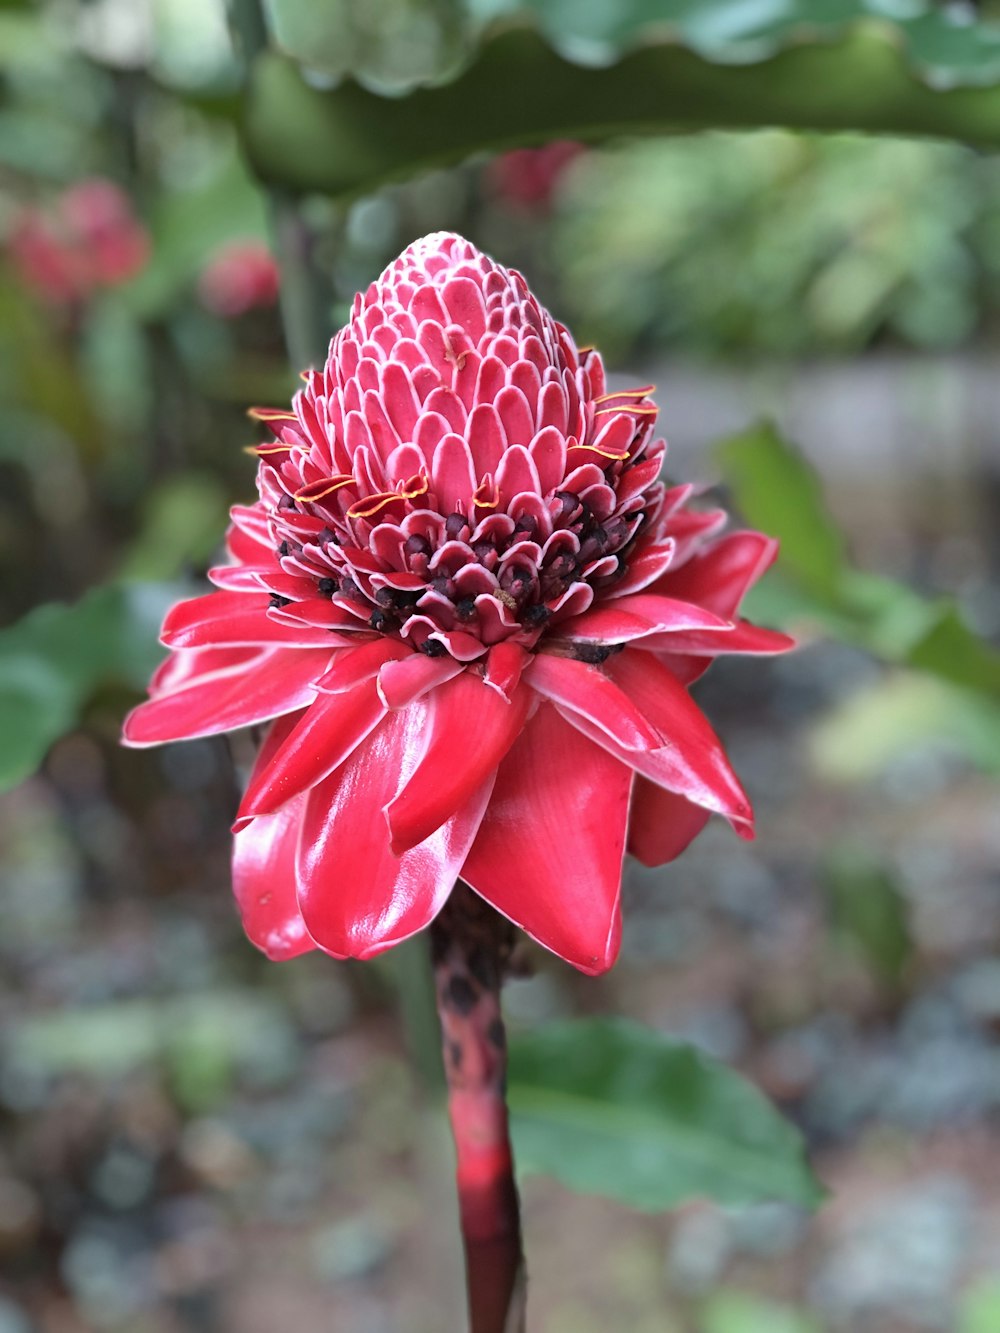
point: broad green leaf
(53, 659)
(739, 1312)
(869, 912)
(980, 1309)
(348, 141)
(814, 584)
(782, 495)
(884, 723)
(610, 1107)
(393, 44)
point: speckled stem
(470, 945)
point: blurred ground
(192, 1138)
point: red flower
(240, 276)
(90, 239)
(474, 612)
(527, 178)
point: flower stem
(470, 945)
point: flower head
(471, 612)
(240, 276)
(90, 239)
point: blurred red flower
(89, 239)
(528, 177)
(472, 611)
(239, 277)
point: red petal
(356, 897)
(353, 666)
(180, 669)
(402, 681)
(264, 883)
(645, 569)
(274, 683)
(264, 871)
(549, 852)
(661, 823)
(330, 730)
(720, 576)
(692, 761)
(744, 638)
(220, 619)
(640, 615)
(504, 665)
(587, 691)
(470, 728)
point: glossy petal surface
(549, 852)
(662, 824)
(356, 897)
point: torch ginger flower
(470, 611)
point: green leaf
(393, 44)
(52, 661)
(884, 723)
(869, 912)
(779, 492)
(980, 1309)
(348, 141)
(739, 1312)
(814, 584)
(610, 1107)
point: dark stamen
(433, 648)
(277, 600)
(328, 587)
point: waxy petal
(468, 731)
(277, 682)
(356, 897)
(661, 823)
(548, 855)
(264, 883)
(636, 617)
(587, 691)
(720, 576)
(692, 761)
(330, 730)
(410, 677)
(221, 619)
(264, 868)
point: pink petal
(692, 761)
(274, 683)
(351, 667)
(330, 730)
(504, 666)
(720, 576)
(744, 638)
(264, 883)
(638, 616)
(222, 618)
(645, 569)
(184, 668)
(356, 897)
(469, 729)
(587, 691)
(264, 869)
(402, 681)
(452, 475)
(661, 823)
(549, 852)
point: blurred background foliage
(821, 314)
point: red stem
(471, 943)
